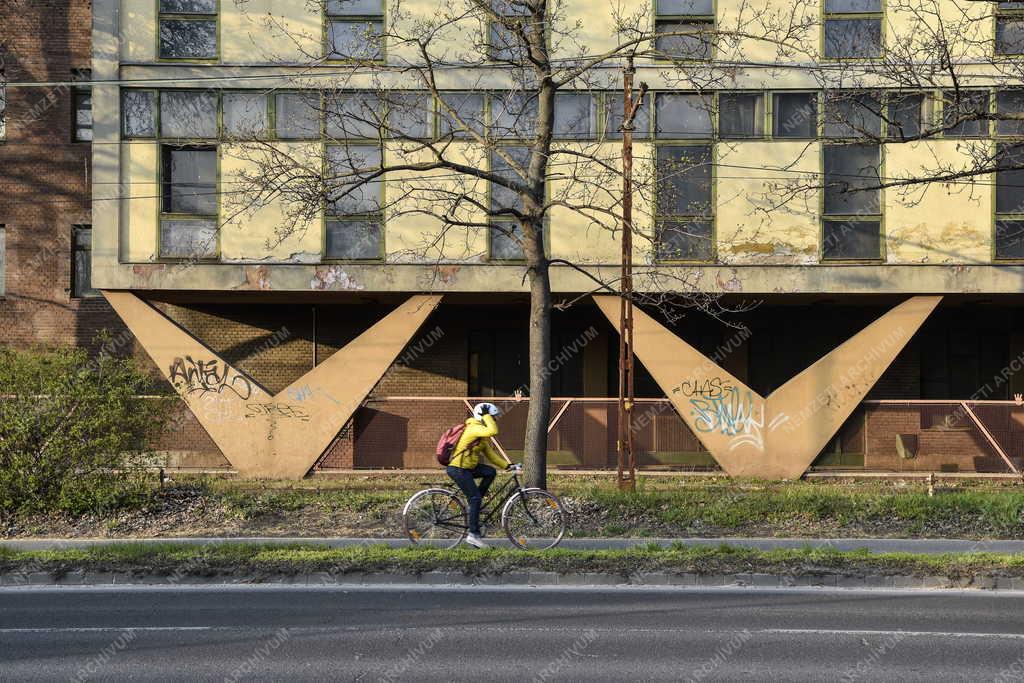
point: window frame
(193, 17)
(490, 25)
(824, 218)
(711, 99)
(491, 220)
(371, 217)
(217, 115)
(1006, 13)
(987, 125)
(658, 18)
(818, 114)
(92, 292)
(269, 103)
(766, 115)
(77, 92)
(177, 216)
(711, 218)
(329, 19)
(880, 15)
(852, 95)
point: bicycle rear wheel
(534, 519)
(435, 517)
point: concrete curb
(524, 578)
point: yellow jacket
(482, 430)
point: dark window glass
(682, 115)
(353, 189)
(190, 180)
(411, 115)
(962, 113)
(613, 118)
(1010, 239)
(851, 239)
(1010, 35)
(497, 362)
(1010, 103)
(852, 38)
(468, 107)
(852, 115)
(355, 240)
(685, 39)
(575, 116)
(795, 115)
(188, 39)
(684, 181)
(138, 113)
(81, 262)
(506, 241)
(849, 169)
(684, 240)
(740, 115)
(501, 196)
(905, 114)
(1010, 179)
(188, 114)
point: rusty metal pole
(626, 474)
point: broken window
(852, 221)
(188, 29)
(355, 29)
(684, 222)
(355, 199)
(853, 29)
(685, 29)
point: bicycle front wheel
(534, 519)
(435, 517)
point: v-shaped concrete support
(780, 436)
(264, 435)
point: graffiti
(711, 387)
(735, 415)
(190, 376)
(283, 410)
(306, 392)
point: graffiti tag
(283, 410)
(710, 387)
(191, 376)
(740, 416)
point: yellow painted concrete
(140, 163)
(264, 435)
(274, 31)
(138, 29)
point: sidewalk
(925, 546)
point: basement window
(188, 223)
(852, 221)
(853, 29)
(685, 29)
(355, 30)
(188, 29)
(355, 197)
(684, 220)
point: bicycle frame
(487, 507)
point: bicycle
(533, 519)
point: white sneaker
(476, 541)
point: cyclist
(466, 467)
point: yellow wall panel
(261, 31)
(138, 27)
(140, 163)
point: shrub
(73, 434)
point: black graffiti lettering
(276, 410)
(190, 376)
(710, 387)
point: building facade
(861, 235)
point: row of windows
(211, 115)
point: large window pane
(138, 113)
(963, 113)
(849, 115)
(188, 39)
(849, 169)
(410, 114)
(190, 180)
(514, 114)
(245, 115)
(298, 115)
(359, 40)
(685, 39)
(795, 115)
(684, 241)
(1009, 239)
(506, 241)
(851, 240)
(1010, 103)
(684, 181)
(188, 239)
(501, 196)
(468, 107)
(1010, 179)
(356, 240)
(575, 116)
(740, 115)
(850, 38)
(678, 115)
(188, 114)
(354, 115)
(505, 44)
(1010, 35)
(352, 187)
(905, 115)
(613, 118)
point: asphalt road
(279, 633)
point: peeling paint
(333, 278)
(732, 285)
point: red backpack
(449, 440)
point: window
(905, 114)
(1010, 28)
(188, 114)
(468, 108)
(740, 115)
(852, 115)
(613, 118)
(575, 116)
(410, 115)
(506, 234)
(679, 116)
(82, 105)
(188, 29)
(298, 115)
(354, 203)
(246, 115)
(514, 115)
(1010, 103)
(138, 113)
(81, 262)
(498, 362)
(853, 29)
(685, 29)
(852, 221)
(1009, 224)
(3, 259)
(352, 115)
(355, 29)
(503, 41)
(685, 210)
(965, 113)
(188, 228)
(795, 115)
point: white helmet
(481, 409)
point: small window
(410, 115)
(245, 115)
(188, 114)
(795, 115)
(504, 43)
(354, 115)
(468, 116)
(81, 262)
(138, 113)
(614, 113)
(575, 116)
(298, 115)
(355, 198)
(685, 29)
(679, 116)
(1010, 28)
(3, 259)
(740, 115)
(905, 114)
(505, 241)
(82, 105)
(188, 29)
(355, 30)
(684, 207)
(1009, 224)
(852, 221)
(965, 113)
(853, 29)
(514, 115)
(1010, 103)
(852, 115)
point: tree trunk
(539, 415)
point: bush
(74, 437)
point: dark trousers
(465, 479)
